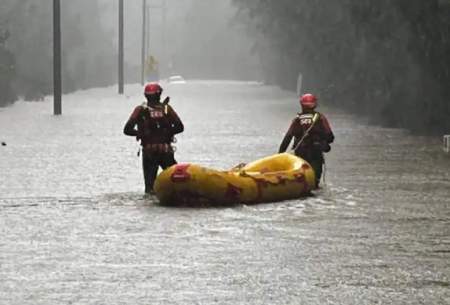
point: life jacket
(307, 120)
(308, 133)
(153, 123)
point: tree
(386, 59)
(7, 69)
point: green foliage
(87, 49)
(7, 71)
(386, 59)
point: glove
(326, 147)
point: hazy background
(199, 39)
(386, 59)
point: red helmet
(308, 101)
(153, 88)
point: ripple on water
(76, 228)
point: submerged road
(76, 229)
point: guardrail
(447, 143)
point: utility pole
(121, 49)
(148, 26)
(144, 13)
(164, 35)
(57, 83)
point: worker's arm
(176, 125)
(130, 126)
(328, 133)
(287, 138)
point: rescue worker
(154, 124)
(312, 135)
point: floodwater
(76, 229)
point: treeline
(26, 48)
(7, 71)
(388, 59)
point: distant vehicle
(176, 79)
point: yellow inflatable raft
(278, 177)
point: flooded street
(76, 229)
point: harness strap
(306, 134)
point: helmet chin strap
(153, 100)
(308, 109)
